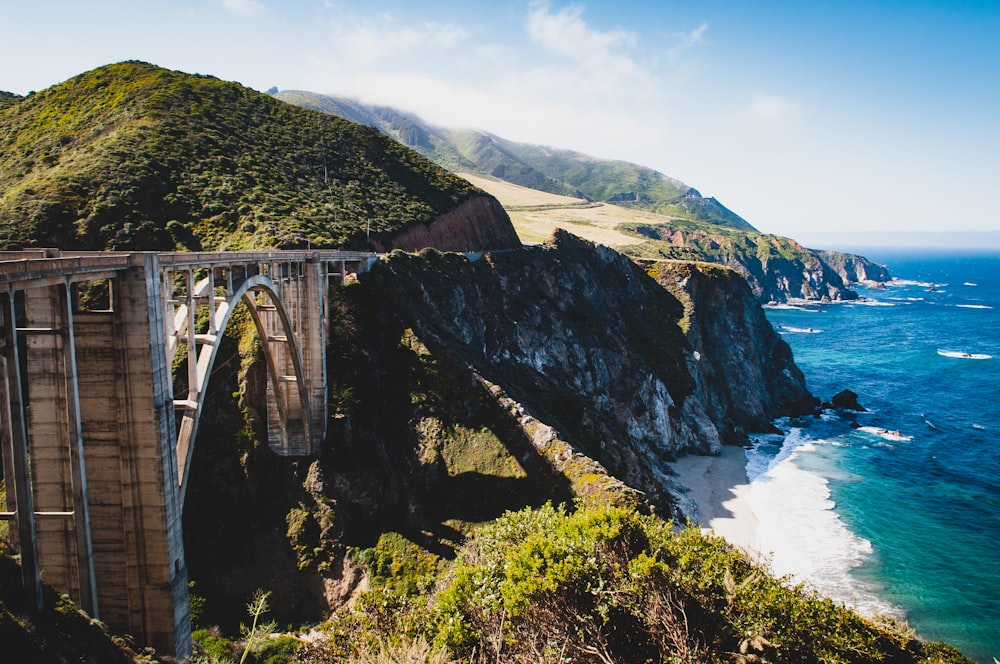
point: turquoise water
(901, 513)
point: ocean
(896, 510)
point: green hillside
(547, 169)
(133, 156)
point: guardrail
(33, 264)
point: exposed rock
(777, 269)
(463, 388)
(854, 269)
(848, 400)
(744, 370)
(590, 346)
(478, 224)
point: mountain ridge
(135, 156)
(691, 227)
(555, 170)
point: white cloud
(696, 36)
(565, 33)
(372, 40)
(244, 7)
(773, 107)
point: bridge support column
(128, 423)
(303, 290)
(58, 467)
(89, 394)
(310, 302)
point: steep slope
(464, 388)
(133, 156)
(556, 171)
(691, 227)
(854, 269)
(777, 268)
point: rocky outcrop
(744, 370)
(778, 269)
(461, 388)
(847, 399)
(587, 343)
(854, 269)
(478, 224)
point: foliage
(544, 168)
(132, 156)
(400, 566)
(277, 650)
(607, 584)
(211, 647)
(256, 608)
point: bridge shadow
(420, 445)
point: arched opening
(199, 323)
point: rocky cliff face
(777, 268)
(744, 371)
(463, 388)
(588, 344)
(854, 269)
(478, 224)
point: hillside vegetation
(548, 169)
(776, 267)
(495, 485)
(615, 203)
(133, 156)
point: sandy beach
(719, 486)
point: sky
(877, 116)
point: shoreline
(719, 486)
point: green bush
(210, 646)
(277, 650)
(609, 584)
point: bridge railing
(37, 268)
(33, 264)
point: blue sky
(800, 116)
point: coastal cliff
(479, 223)
(854, 269)
(744, 371)
(777, 268)
(462, 388)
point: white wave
(800, 330)
(784, 306)
(969, 283)
(963, 355)
(803, 535)
(874, 303)
(978, 426)
(886, 434)
(910, 282)
(974, 306)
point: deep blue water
(900, 515)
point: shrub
(609, 584)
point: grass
(537, 214)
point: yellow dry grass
(536, 214)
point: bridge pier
(99, 434)
(94, 460)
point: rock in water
(849, 400)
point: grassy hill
(775, 267)
(552, 170)
(133, 156)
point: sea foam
(799, 529)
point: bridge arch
(91, 462)
(274, 328)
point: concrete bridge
(96, 444)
